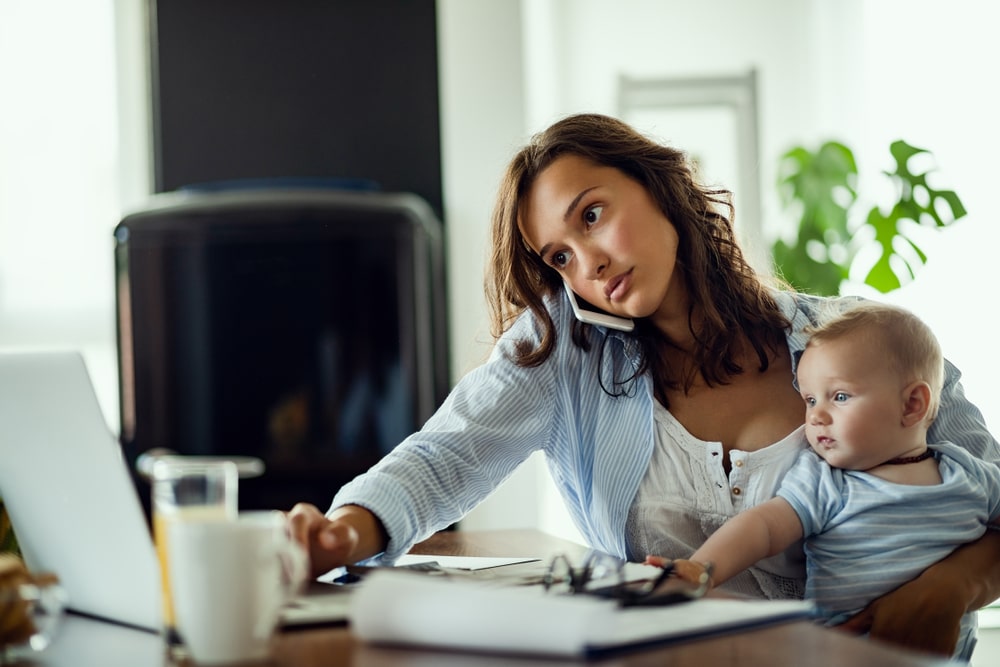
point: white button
(738, 463)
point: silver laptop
(72, 503)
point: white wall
(598, 41)
(482, 116)
(483, 123)
(928, 81)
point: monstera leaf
(890, 235)
(822, 186)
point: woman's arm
(496, 416)
(959, 420)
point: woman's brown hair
(733, 304)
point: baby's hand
(657, 561)
(688, 570)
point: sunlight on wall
(58, 181)
(947, 294)
(924, 83)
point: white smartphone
(586, 312)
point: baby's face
(854, 403)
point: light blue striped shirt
(597, 446)
(865, 536)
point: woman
(653, 437)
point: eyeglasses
(603, 575)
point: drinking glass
(187, 490)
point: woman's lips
(618, 286)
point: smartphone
(586, 312)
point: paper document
(328, 598)
(396, 607)
(461, 562)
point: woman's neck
(674, 317)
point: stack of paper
(405, 608)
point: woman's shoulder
(527, 333)
(813, 307)
(806, 310)
(528, 328)
(961, 456)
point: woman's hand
(916, 615)
(350, 534)
(924, 614)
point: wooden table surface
(790, 644)
(85, 642)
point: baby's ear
(916, 403)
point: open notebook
(72, 503)
(394, 607)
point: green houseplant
(8, 542)
(821, 186)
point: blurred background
(736, 83)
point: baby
(874, 502)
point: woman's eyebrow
(544, 250)
(576, 201)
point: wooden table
(85, 642)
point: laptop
(73, 505)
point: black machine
(302, 326)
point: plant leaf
(825, 184)
(882, 276)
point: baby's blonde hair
(906, 342)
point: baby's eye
(593, 214)
(840, 396)
(810, 401)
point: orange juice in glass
(187, 489)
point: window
(59, 192)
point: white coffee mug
(229, 581)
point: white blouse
(686, 495)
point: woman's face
(605, 235)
